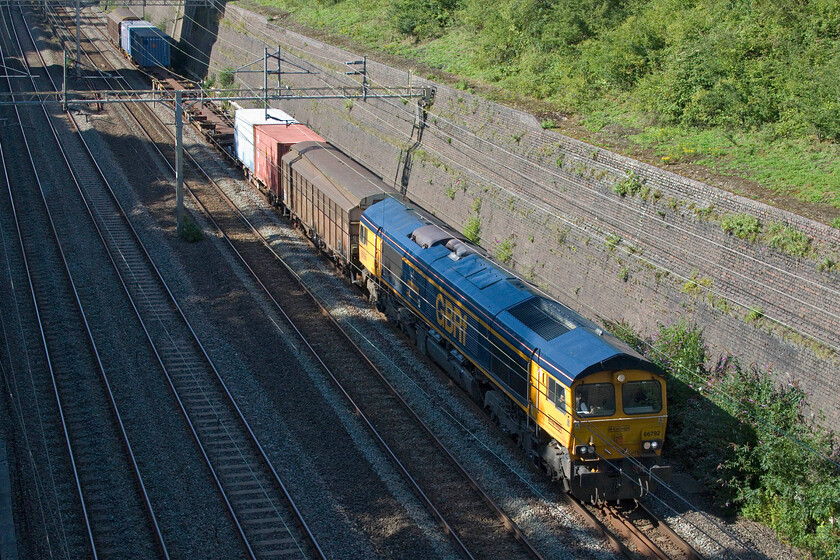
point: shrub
(226, 78)
(696, 285)
(631, 184)
(827, 265)
(190, 232)
(754, 314)
(744, 226)
(421, 19)
(747, 440)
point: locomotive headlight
(620, 378)
(590, 450)
(651, 445)
(585, 450)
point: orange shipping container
(271, 142)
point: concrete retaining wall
(640, 259)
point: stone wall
(651, 258)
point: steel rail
(622, 523)
(664, 529)
(228, 396)
(103, 375)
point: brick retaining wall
(554, 196)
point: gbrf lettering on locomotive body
(451, 318)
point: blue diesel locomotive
(583, 404)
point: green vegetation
(190, 232)
(504, 249)
(742, 87)
(226, 78)
(788, 240)
(697, 285)
(472, 229)
(624, 273)
(630, 184)
(754, 314)
(744, 226)
(747, 440)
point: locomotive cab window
(595, 399)
(557, 394)
(642, 397)
(363, 235)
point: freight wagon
(326, 191)
(115, 18)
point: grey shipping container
(149, 46)
(114, 19)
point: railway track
(110, 500)
(263, 513)
(477, 526)
(651, 537)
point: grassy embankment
(749, 90)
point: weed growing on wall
(472, 229)
(742, 225)
(631, 184)
(747, 439)
(504, 249)
(788, 240)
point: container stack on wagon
(144, 43)
(148, 46)
(271, 142)
(244, 121)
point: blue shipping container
(149, 46)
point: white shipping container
(243, 123)
(125, 40)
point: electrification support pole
(363, 62)
(364, 77)
(64, 83)
(179, 163)
(265, 81)
(78, 40)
